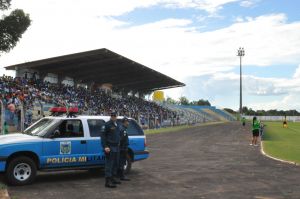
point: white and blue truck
(59, 143)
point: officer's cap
(113, 114)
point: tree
(12, 27)
(183, 101)
(230, 110)
(273, 112)
(201, 102)
(245, 110)
(169, 100)
(4, 4)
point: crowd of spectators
(89, 101)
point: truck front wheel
(21, 171)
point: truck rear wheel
(21, 171)
(127, 166)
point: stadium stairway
(207, 113)
(214, 114)
(227, 115)
(188, 114)
(207, 116)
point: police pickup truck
(58, 143)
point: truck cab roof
(105, 118)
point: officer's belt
(113, 144)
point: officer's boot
(109, 184)
(122, 176)
(115, 181)
(119, 173)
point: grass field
(283, 143)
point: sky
(193, 41)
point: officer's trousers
(111, 164)
(122, 163)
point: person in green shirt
(244, 121)
(255, 131)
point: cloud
(257, 86)
(210, 6)
(239, 19)
(183, 51)
(289, 102)
(222, 88)
(112, 7)
(163, 45)
(297, 73)
(249, 3)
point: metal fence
(16, 118)
(275, 118)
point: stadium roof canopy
(102, 66)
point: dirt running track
(203, 162)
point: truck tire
(21, 171)
(127, 167)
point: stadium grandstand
(96, 82)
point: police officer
(110, 142)
(123, 149)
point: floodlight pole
(241, 53)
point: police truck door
(67, 145)
(94, 149)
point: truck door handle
(83, 142)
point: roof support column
(124, 93)
(42, 76)
(60, 78)
(75, 83)
(91, 86)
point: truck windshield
(39, 127)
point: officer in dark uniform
(110, 140)
(124, 142)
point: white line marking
(280, 160)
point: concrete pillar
(18, 73)
(161, 119)
(76, 82)
(42, 76)
(60, 78)
(22, 116)
(2, 116)
(139, 118)
(91, 85)
(148, 121)
(42, 108)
